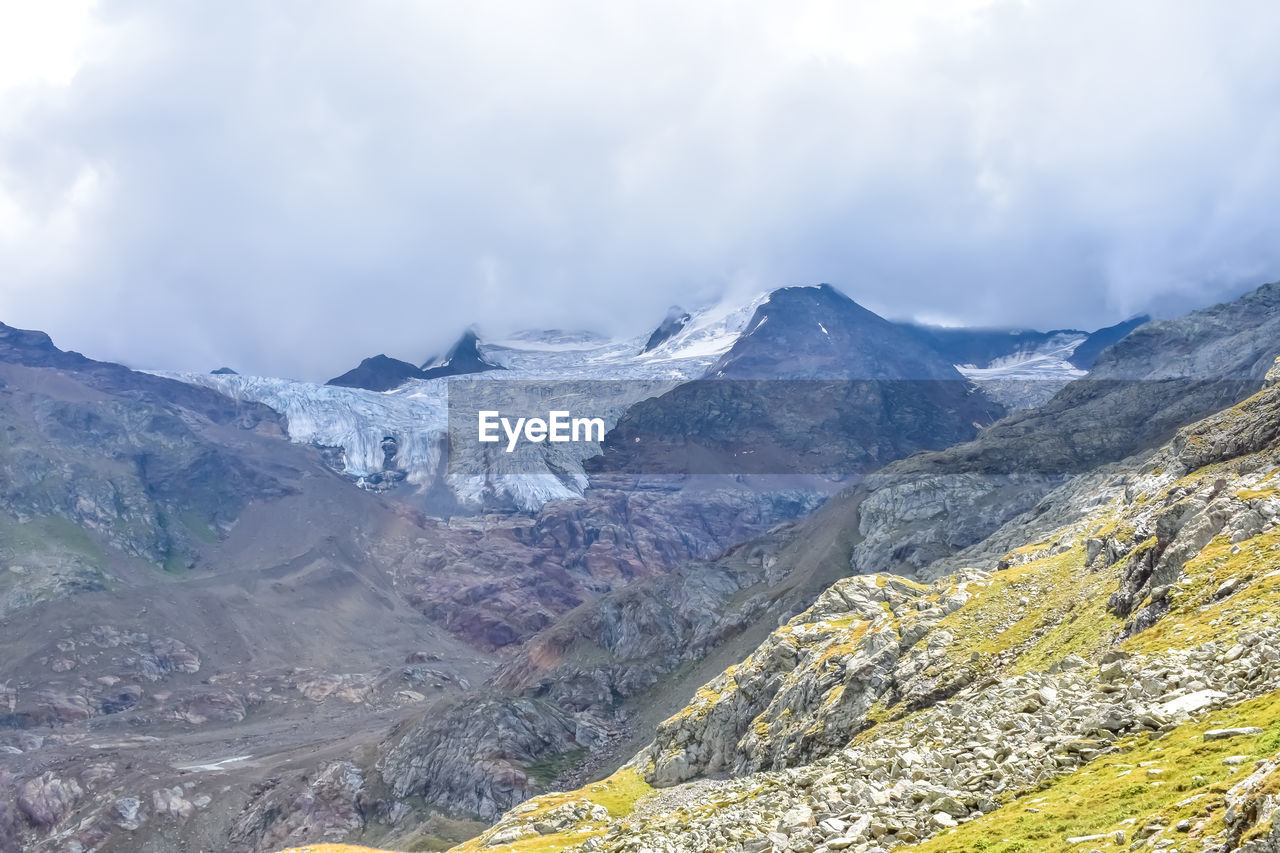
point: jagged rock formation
(1121, 677)
(463, 357)
(1161, 376)
(1086, 354)
(677, 318)
(383, 373)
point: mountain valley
(830, 582)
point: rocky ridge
(917, 513)
(1140, 643)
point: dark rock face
(817, 384)
(383, 373)
(1159, 377)
(819, 333)
(463, 358)
(1087, 353)
(830, 428)
(980, 347)
(498, 740)
(379, 373)
(224, 371)
(675, 320)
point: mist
(287, 188)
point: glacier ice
(416, 414)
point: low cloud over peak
(288, 188)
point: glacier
(1030, 375)
(416, 415)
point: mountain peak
(462, 358)
(677, 318)
(1087, 353)
(817, 332)
(377, 373)
(384, 373)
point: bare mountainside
(1102, 673)
(215, 640)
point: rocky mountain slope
(165, 529)
(815, 384)
(641, 645)
(1112, 682)
(252, 652)
(921, 510)
(186, 597)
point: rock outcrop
(1132, 654)
(1163, 375)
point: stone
(128, 813)
(1227, 587)
(1222, 734)
(46, 800)
(1189, 703)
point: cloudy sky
(287, 187)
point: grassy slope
(1026, 618)
(618, 793)
(1144, 781)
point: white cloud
(42, 42)
(288, 187)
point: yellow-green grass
(1196, 616)
(618, 794)
(1119, 791)
(1065, 613)
(333, 848)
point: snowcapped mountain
(809, 333)
(1023, 368)
(1032, 373)
(401, 435)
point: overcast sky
(286, 187)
